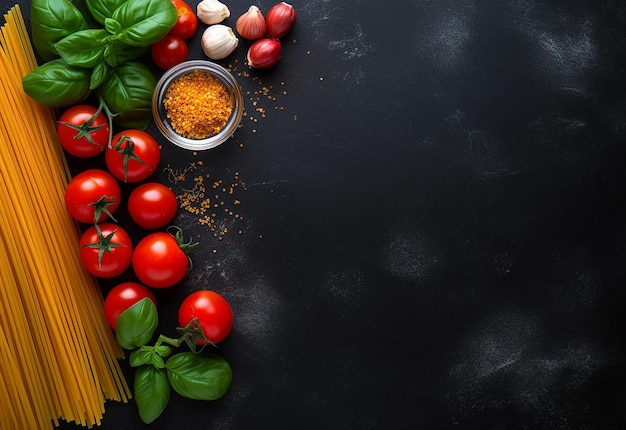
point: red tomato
(159, 260)
(133, 156)
(169, 51)
(214, 314)
(105, 250)
(152, 205)
(187, 23)
(83, 131)
(92, 196)
(122, 297)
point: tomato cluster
(160, 258)
(173, 49)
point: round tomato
(105, 250)
(187, 23)
(160, 261)
(133, 156)
(83, 131)
(122, 297)
(214, 314)
(169, 51)
(92, 196)
(152, 205)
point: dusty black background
(428, 222)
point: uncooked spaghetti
(58, 356)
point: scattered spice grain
(197, 105)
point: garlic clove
(264, 53)
(280, 19)
(251, 25)
(212, 11)
(218, 41)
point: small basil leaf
(103, 9)
(139, 357)
(144, 22)
(199, 376)
(99, 74)
(157, 361)
(57, 84)
(151, 393)
(84, 48)
(136, 325)
(128, 92)
(112, 26)
(163, 350)
(51, 21)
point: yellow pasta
(58, 356)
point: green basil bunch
(94, 50)
(193, 374)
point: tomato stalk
(184, 246)
(104, 244)
(101, 205)
(110, 115)
(86, 129)
(128, 152)
(189, 334)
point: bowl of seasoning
(197, 105)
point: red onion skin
(264, 53)
(280, 20)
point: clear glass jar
(160, 114)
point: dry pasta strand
(59, 358)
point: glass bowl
(189, 107)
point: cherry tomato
(159, 260)
(169, 51)
(83, 131)
(152, 205)
(105, 250)
(133, 156)
(187, 23)
(122, 297)
(214, 313)
(92, 196)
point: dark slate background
(428, 222)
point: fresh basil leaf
(139, 357)
(205, 376)
(112, 26)
(84, 48)
(144, 22)
(151, 393)
(99, 74)
(51, 21)
(103, 9)
(57, 84)
(163, 350)
(136, 325)
(157, 361)
(119, 53)
(128, 92)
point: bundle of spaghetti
(58, 356)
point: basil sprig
(193, 374)
(98, 57)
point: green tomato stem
(110, 115)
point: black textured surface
(428, 225)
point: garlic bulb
(251, 25)
(212, 11)
(219, 41)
